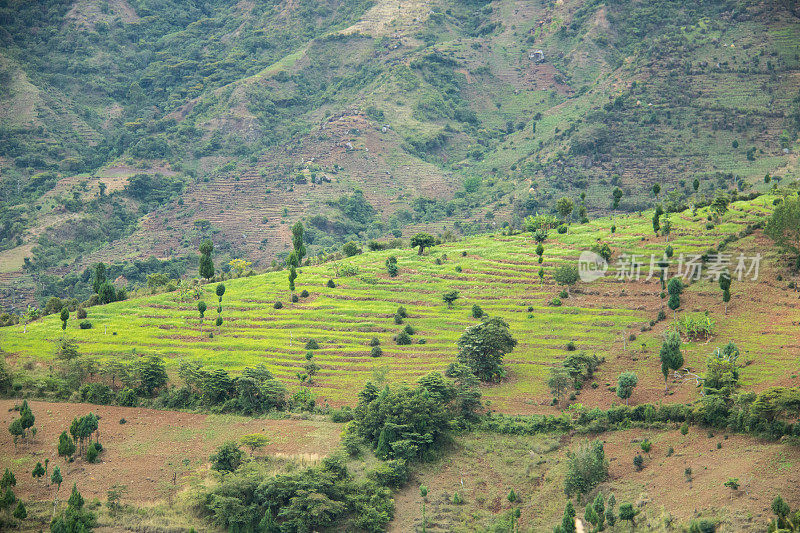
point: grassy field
(499, 273)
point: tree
(628, 513)
(15, 428)
(74, 519)
(638, 462)
(616, 196)
(666, 226)
(55, 477)
(391, 266)
(350, 248)
(99, 277)
(20, 513)
(611, 518)
(292, 277)
(297, 241)
(558, 381)
(720, 205)
(422, 241)
(26, 417)
(206, 264)
(725, 287)
(783, 227)
(254, 441)
(626, 382)
(201, 308)
(539, 249)
(657, 219)
(38, 471)
(599, 507)
(675, 289)
(449, 297)
(733, 484)
(239, 265)
(8, 479)
(671, 355)
(483, 346)
(696, 184)
(568, 519)
(107, 293)
(8, 500)
(566, 275)
(228, 457)
(565, 206)
(64, 317)
(656, 190)
(586, 467)
(220, 290)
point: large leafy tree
(297, 241)
(483, 346)
(626, 382)
(783, 227)
(422, 241)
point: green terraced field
(498, 272)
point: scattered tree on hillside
(657, 219)
(74, 518)
(201, 308)
(565, 206)
(566, 275)
(559, 381)
(783, 227)
(391, 266)
(38, 471)
(297, 242)
(422, 241)
(725, 287)
(254, 441)
(99, 277)
(239, 265)
(626, 382)
(567, 520)
(56, 478)
(8, 480)
(586, 467)
(671, 355)
(64, 317)
(206, 264)
(220, 290)
(628, 513)
(483, 346)
(666, 226)
(656, 190)
(616, 196)
(720, 205)
(675, 289)
(449, 297)
(66, 446)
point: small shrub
(331, 284)
(408, 329)
(638, 462)
(375, 341)
(458, 269)
(312, 344)
(295, 299)
(477, 312)
(278, 305)
(81, 313)
(92, 452)
(422, 341)
(563, 295)
(376, 351)
(127, 398)
(555, 302)
(398, 319)
(304, 294)
(85, 325)
(401, 311)
(571, 346)
(685, 428)
(670, 451)
(403, 338)
(562, 229)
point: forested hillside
(131, 129)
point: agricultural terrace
(499, 273)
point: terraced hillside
(498, 273)
(441, 111)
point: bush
(295, 299)
(85, 325)
(702, 526)
(555, 302)
(312, 344)
(304, 294)
(228, 457)
(350, 249)
(562, 229)
(408, 329)
(563, 295)
(403, 338)
(398, 319)
(127, 398)
(376, 351)
(345, 414)
(92, 452)
(97, 393)
(401, 311)
(375, 341)
(278, 305)
(81, 313)
(571, 346)
(586, 467)
(391, 473)
(331, 284)
(477, 312)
